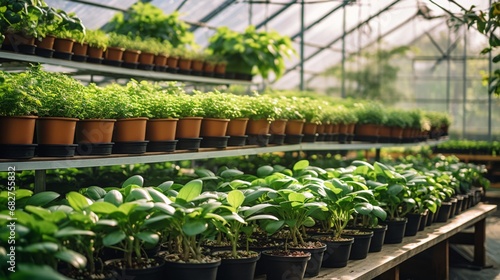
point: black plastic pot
(314, 264)
(321, 137)
(454, 202)
(116, 63)
(258, 139)
(130, 65)
(56, 150)
(162, 146)
(44, 52)
(458, 208)
(13, 151)
(284, 267)
(423, 220)
(277, 139)
(62, 55)
(26, 49)
(444, 212)
(242, 269)
(430, 218)
(310, 138)
(192, 144)
(214, 142)
(237, 140)
(190, 271)
(395, 231)
(362, 241)
(294, 139)
(147, 67)
(79, 58)
(87, 149)
(337, 251)
(152, 273)
(96, 60)
(132, 147)
(377, 238)
(414, 220)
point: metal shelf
(105, 70)
(45, 163)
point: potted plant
(252, 51)
(260, 110)
(189, 124)
(98, 42)
(311, 110)
(115, 49)
(18, 108)
(219, 108)
(163, 107)
(94, 131)
(61, 106)
(370, 117)
(131, 114)
(397, 120)
(239, 211)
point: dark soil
(177, 258)
(355, 232)
(332, 238)
(284, 253)
(85, 275)
(145, 263)
(240, 254)
(308, 245)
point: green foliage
(399, 118)
(219, 105)
(190, 106)
(128, 101)
(98, 103)
(252, 51)
(17, 98)
(97, 39)
(259, 107)
(164, 102)
(370, 113)
(147, 21)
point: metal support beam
(343, 93)
(490, 71)
(340, 37)
(277, 13)
(213, 13)
(180, 5)
(302, 24)
(448, 74)
(464, 73)
(322, 18)
(97, 5)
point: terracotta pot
(211, 127)
(408, 132)
(146, 58)
(335, 128)
(14, 39)
(384, 131)
(114, 53)
(95, 52)
(237, 127)
(310, 128)
(172, 62)
(294, 127)
(350, 128)
(131, 56)
(46, 43)
(209, 67)
(396, 132)
(63, 45)
(343, 128)
(329, 128)
(158, 130)
(80, 49)
(54, 130)
(94, 131)
(185, 64)
(220, 69)
(321, 128)
(17, 130)
(197, 65)
(160, 60)
(278, 126)
(188, 127)
(130, 130)
(367, 129)
(258, 127)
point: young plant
(16, 96)
(218, 105)
(97, 39)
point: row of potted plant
(469, 147)
(144, 38)
(172, 228)
(173, 115)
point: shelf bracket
(40, 176)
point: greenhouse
(249, 139)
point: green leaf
(192, 228)
(165, 186)
(39, 272)
(127, 207)
(95, 192)
(41, 247)
(75, 259)
(263, 217)
(158, 196)
(39, 211)
(165, 208)
(297, 197)
(264, 171)
(68, 231)
(395, 189)
(134, 180)
(363, 208)
(77, 201)
(191, 190)
(148, 237)
(379, 213)
(42, 199)
(231, 173)
(114, 197)
(235, 198)
(300, 165)
(103, 207)
(22, 193)
(113, 238)
(138, 194)
(274, 226)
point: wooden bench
(433, 240)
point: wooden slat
(394, 254)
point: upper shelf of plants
(145, 39)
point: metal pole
(343, 51)
(448, 73)
(490, 70)
(302, 26)
(464, 77)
